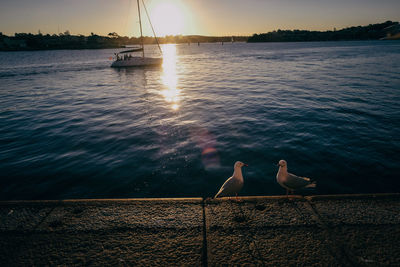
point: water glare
(169, 78)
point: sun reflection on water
(170, 79)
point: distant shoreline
(36, 42)
(383, 31)
(99, 48)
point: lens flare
(207, 143)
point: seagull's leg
(237, 199)
(287, 193)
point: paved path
(341, 230)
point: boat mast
(141, 33)
(152, 28)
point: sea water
(72, 127)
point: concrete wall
(343, 230)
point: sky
(190, 17)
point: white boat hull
(137, 62)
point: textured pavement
(340, 230)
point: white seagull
(290, 181)
(234, 183)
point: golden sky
(203, 17)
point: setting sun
(168, 18)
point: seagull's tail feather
(312, 184)
(221, 192)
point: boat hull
(137, 62)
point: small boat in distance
(125, 58)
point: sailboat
(125, 58)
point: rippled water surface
(72, 127)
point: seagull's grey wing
(230, 187)
(295, 182)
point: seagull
(290, 181)
(234, 183)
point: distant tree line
(29, 41)
(371, 32)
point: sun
(168, 18)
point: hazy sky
(205, 17)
